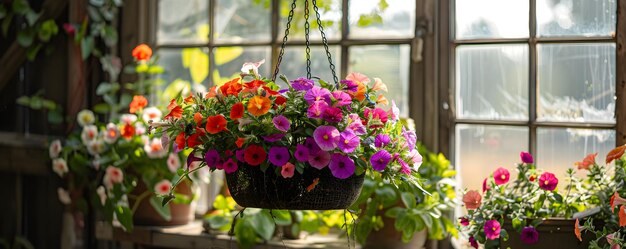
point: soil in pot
(146, 215)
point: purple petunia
(348, 141)
(341, 98)
(529, 235)
(380, 159)
(341, 166)
(279, 156)
(211, 158)
(381, 140)
(317, 109)
(192, 158)
(274, 137)
(301, 153)
(239, 154)
(410, 137)
(281, 123)
(326, 137)
(319, 159)
(311, 145)
(349, 85)
(230, 166)
(356, 125)
(492, 229)
(317, 93)
(302, 84)
(332, 115)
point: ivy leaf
(164, 211)
(31, 17)
(25, 37)
(86, 47)
(47, 30)
(263, 224)
(244, 232)
(282, 217)
(125, 217)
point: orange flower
(212, 92)
(587, 161)
(240, 142)
(138, 103)
(360, 92)
(379, 85)
(616, 200)
(577, 230)
(176, 111)
(197, 117)
(236, 112)
(259, 105)
(142, 52)
(615, 153)
(180, 140)
(231, 88)
(382, 100)
(128, 131)
(622, 216)
(216, 124)
(189, 99)
(254, 84)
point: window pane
(576, 82)
(183, 21)
(559, 148)
(480, 149)
(492, 82)
(491, 19)
(185, 69)
(576, 17)
(242, 20)
(390, 63)
(330, 13)
(228, 62)
(382, 19)
(294, 63)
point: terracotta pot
(389, 237)
(553, 233)
(145, 215)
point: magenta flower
(485, 185)
(281, 123)
(381, 140)
(240, 155)
(317, 93)
(332, 115)
(302, 84)
(341, 166)
(319, 159)
(211, 158)
(394, 112)
(464, 221)
(301, 153)
(349, 85)
(274, 137)
(406, 169)
(473, 242)
(492, 229)
(547, 181)
(192, 158)
(529, 235)
(356, 125)
(220, 163)
(311, 145)
(376, 114)
(230, 166)
(317, 109)
(326, 137)
(279, 155)
(501, 176)
(341, 98)
(380, 159)
(526, 157)
(348, 141)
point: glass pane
(576, 17)
(228, 62)
(183, 21)
(492, 82)
(480, 149)
(559, 148)
(294, 63)
(390, 63)
(185, 69)
(576, 82)
(381, 19)
(242, 20)
(491, 19)
(330, 14)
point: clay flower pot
(146, 215)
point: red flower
(236, 112)
(142, 52)
(128, 131)
(216, 124)
(231, 88)
(138, 103)
(622, 216)
(180, 140)
(280, 100)
(485, 185)
(615, 153)
(176, 111)
(587, 161)
(197, 117)
(189, 99)
(194, 139)
(212, 92)
(69, 28)
(254, 84)
(240, 142)
(501, 176)
(254, 155)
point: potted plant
(116, 166)
(526, 211)
(393, 219)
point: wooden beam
(15, 56)
(620, 63)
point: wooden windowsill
(26, 154)
(192, 236)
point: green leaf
(21, 7)
(282, 217)
(47, 30)
(25, 37)
(164, 211)
(23, 100)
(218, 222)
(55, 117)
(36, 103)
(408, 199)
(244, 233)
(263, 224)
(221, 203)
(31, 18)
(86, 47)
(110, 35)
(125, 217)
(393, 212)
(94, 14)
(517, 223)
(387, 195)
(167, 199)
(102, 108)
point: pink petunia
(501, 176)
(287, 170)
(326, 137)
(319, 159)
(281, 123)
(548, 181)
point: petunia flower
(379, 85)
(173, 162)
(464, 221)
(348, 141)
(236, 111)
(492, 229)
(259, 105)
(230, 166)
(501, 176)
(302, 84)
(274, 137)
(341, 166)
(358, 77)
(316, 109)
(547, 181)
(615, 154)
(216, 124)
(472, 199)
(243, 122)
(279, 155)
(95, 147)
(405, 169)
(252, 67)
(128, 118)
(341, 98)
(587, 162)
(64, 196)
(319, 159)
(382, 100)
(239, 155)
(59, 166)
(349, 85)
(317, 93)
(254, 155)
(526, 157)
(380, 159)
(311, 145)
(85, 117)
(410, 137)
(529, 235)
(231, 88)
(140, 129)
(137, 104)
(281, 123)
(113, 175)
(416, 158)
(302, 153)
(332, 115)
(111, 134)
(485, 185)
(55, 149)
(163, 187)
(622, 216)
(326, 137)
(154, 149)
(176, 111)
(376, 117)
(142, 52)
(381, 140)
(355, 124)
(287, 170)
(616, 200)
(473, 242)
(394, 112)
(211, 158)
(89, 133)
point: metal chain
(325, 42)
(306, 37)
(282, 47)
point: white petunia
(112, 175)
(154, 148)
(59, 166)
(89, 133)
(252, 66)
(64, 196)
(95, 147)
(151, 113)
(112, 133)
(128, 118)
(173, 162)
(85, 117)
(55, 149)
(163, 187)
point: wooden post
(76, 88)
(620, 64)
